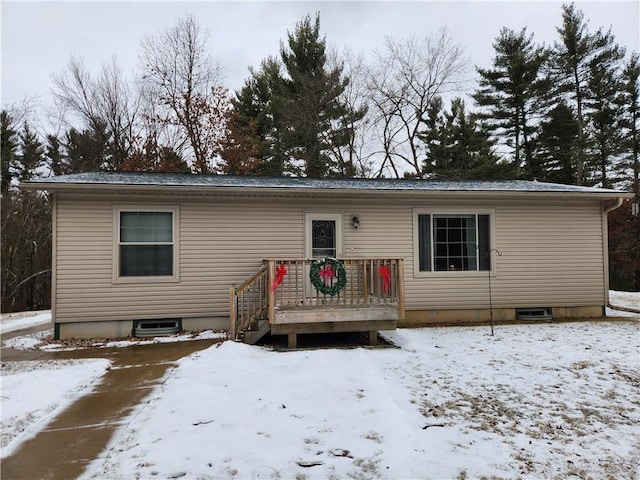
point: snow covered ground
(540, 401)
(25, 410)
(35, 392)
(44, 341)
(630, 300)
(15, 321)
(543, 401)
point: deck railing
(370, 281)
(285, 284)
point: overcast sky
(38, 38)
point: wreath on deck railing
(328, 276)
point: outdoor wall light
(355, 221)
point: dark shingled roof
(298, 183)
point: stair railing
(249, 302)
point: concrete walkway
(79, 434)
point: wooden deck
(281, 295)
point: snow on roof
(361, 184)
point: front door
(323, 238)
(323, 235)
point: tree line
(566, 113)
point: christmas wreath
(328, 276)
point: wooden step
(252, 336)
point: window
(453, 242)
(146, 243)
(323, 238)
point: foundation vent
(157, 328)
(534, 313)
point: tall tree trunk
(517, 145)
(580, 166)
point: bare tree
(104, 102)
(155, 123)
(407, 76)
(357, 152)
(74, 90)
(120, 105)
(25, 273)
(183, 82)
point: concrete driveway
(64, 448)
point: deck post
(400, 289)
(292, 340)
(373, 338)
(272, 293)
(233, 313)
(365, 278)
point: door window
(323, 238)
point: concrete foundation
(413, 318)
(123, 328)
(418, 318)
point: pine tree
(457, 145)
(9, 144)
(604, 112)
(572, 60)
(257, 106)
(31, 155)
(87, 150)
(436, 139)
(314, 115)
(294, 106)
(630, 118)
(557, 141)
(511, 93)
(55, 156)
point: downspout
(54, 265)
(605, 249)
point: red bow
(326, 273)
(281, 271)
(384, 272)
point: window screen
(146, 244)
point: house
(142, 253)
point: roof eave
(221, 191)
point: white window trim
(175, 217)
(417, 273)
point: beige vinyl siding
(551, 254)
(220, 244)
(385, 231)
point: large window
(453, 242)
(146, 243)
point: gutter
(297, 192)
(618, 204)
(605, 249)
